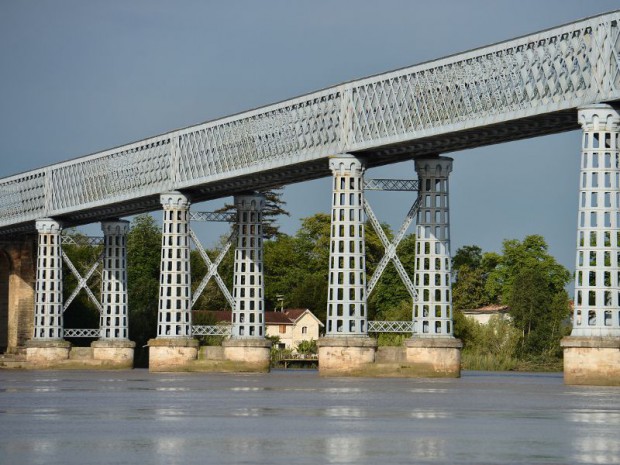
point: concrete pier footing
(591, 361)
(114, 353)
(46, 353)
(60, 355)
(234, 356)
(248, 354)
(172, 354)
(419, 358)
(343, 356)
(435, 357)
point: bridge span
(516, 89)
(551, 81)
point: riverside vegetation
(524, 276)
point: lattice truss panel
(214, 330)
(128, 172)
(390, 327)
(269, 137)
(554, 70)
(551, 70)
(82, 332)
(391, 246)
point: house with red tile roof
(292, 325)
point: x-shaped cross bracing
(212, 267)
(390, 249)
(82, 282)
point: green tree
(143, 269)
(471, 269)
(469, 256)
(531, 253)
(531, 283)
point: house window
(304, 330)
(282, 329)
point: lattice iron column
(597, 285)
(113, 321)
(432, 313)
(48, 322)
(248, 288)
(175, 302)
(346, 304)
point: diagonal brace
(82, 282)
(212, 267)
(390, 248)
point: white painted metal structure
(175, 298)
(248, 287)
(521, 88)
(48, 307)
(597, 277)
(114, 313)
(432, 312)
(346, 300)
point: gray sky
(82, 76)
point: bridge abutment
(592, 351)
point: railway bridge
(561, 79)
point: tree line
(524, 276)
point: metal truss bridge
(516, 89)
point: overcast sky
(82, 76)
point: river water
(296, 417)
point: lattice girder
(538, 76)
(211, 330)
(390, 327)
(81, 332)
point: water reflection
(595, 438)
(172, 389)
(170, 450)
(594, 417)
(428, 414)
(428, 448)
(604, 450)
(345, 412)
(347, 390)
(344, 449)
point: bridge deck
(516, 89)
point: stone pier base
(46, 353)
(172, 354)
(248, 354)
(434, 357)
(114, 353)
(346, 356)
(591, 361)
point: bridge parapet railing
(553, 70)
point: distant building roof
(488, 310)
